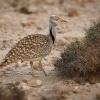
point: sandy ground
(16, 23)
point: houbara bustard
(33, 47)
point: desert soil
(19, 18)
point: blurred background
(19, 18)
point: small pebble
(17, 83)
(25, 81)
(87, 84)
(37, 83)
(24, 86)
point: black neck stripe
(52, 36)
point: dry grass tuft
(82, 59)
(93, 34)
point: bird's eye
(56, 18)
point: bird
(34, 47)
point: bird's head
(56, 20)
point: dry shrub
(11, 92)
(93, 34)
(82, 58)
(67, 65)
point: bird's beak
(63, 21)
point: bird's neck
(52, 31)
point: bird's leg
(40, 65)
(31, 63)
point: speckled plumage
(30, 48)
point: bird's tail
(3, 64)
